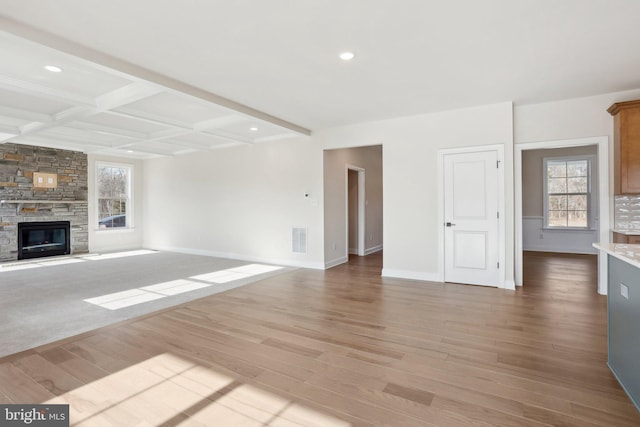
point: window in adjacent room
(567, 192)
(113, 183)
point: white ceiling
(96, 109)
(279, 58)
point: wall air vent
(299, 240)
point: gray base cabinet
(624, 326)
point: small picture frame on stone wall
(45, 180)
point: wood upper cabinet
(626, 122)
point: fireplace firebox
(41, 239)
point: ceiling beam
(40, 91)
(229, 136)
(68, 115)
(218, 122)
(126, 95)
(168, 133)
(94, 56)
(107, 130)
(138, 149)
(66, 144)
(199, 127)
(116, 98)
(205, 127)
(25, 115)
(132, 113)
(61, 134)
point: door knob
(449, 224)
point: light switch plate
(624, 290)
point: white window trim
(130, 214)
(591, 210)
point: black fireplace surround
(41, 239)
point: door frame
(502, 235)
(361, 208)
(603, 198)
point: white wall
(252, 195)
(242, 202)
(538, 239)
(410, 164)
(570, 119)
(335, 161)
(115, 240)
(567, 119)
(237, 202)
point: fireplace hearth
(42, 239)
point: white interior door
(471, 216)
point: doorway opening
(353, 208)
(599, 227)
(355, 182)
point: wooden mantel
(20, 203)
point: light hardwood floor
(346, 347)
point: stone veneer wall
(17, 165)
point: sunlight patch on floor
(123, 299)
(65, 261)
(17, 267)
(117, 300)
(167, 389)
(175, 287)
(119, 255)
(51, 262)
(236, 273)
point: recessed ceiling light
(53, 68)
(129, 151)
(253, 129)
(347, 56)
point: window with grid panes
(567, 192)
(113, 182)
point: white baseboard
(241, 257)
(565, 250)
(335, 262)
(412, 275)
(113, 248)
(510, 285)
(368, 251)
(373, 250)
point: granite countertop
(627, 231)
(624, 252)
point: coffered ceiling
(97, 109)
(145, 78)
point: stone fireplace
(23, 204)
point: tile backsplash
(627, 212)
